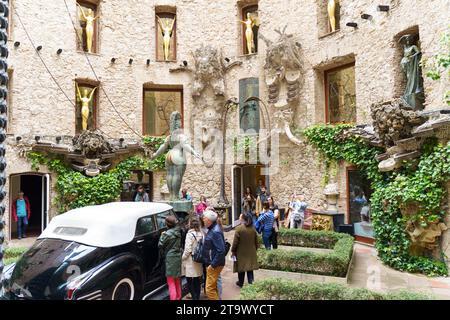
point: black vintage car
(106, 252)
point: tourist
(276, 222)
(214, 253)
(298, 207)
(193, 270)
(141, 195)
(243, 250)
(21, 212)
(249, 203)
(264, 194)
(170, 246)
(258, 187)
(201, 206)
(185, 195)
(266, 221)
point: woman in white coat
(193, 270)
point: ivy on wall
(423, 185)
(75, 190)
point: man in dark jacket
(214, 253)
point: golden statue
(166, 25)
(332, 14)
(249, 36)
(89, 28)
(85, 100)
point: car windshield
(70, 231)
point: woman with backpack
(170, 248)
(243, 250)
(193, 269)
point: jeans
(22, 223)
(250, 277)
(194, 287)
(212, 276)
(174, 288)
(219, 286)
(266, 239)
(274, 239)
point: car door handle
(140, 241)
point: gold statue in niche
(85, 100)
(250, 22)
(166, 25)
(89, 18)
(332, 14)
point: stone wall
(128, 31)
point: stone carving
(91, 145)
(283, 67)
(321, 223)
(210, 68)
(331, 192)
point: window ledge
(167, 61)
(329, 34)
(248, 56)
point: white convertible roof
(106, 225)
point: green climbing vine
(422, 185)
(75, 190)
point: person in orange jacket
(21, 214)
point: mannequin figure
(249, 23)
(89, 29)
(332, 14)
(85, 99)
(166, 26)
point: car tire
(124, 289)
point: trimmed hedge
(281, 289)
(11, 255)
(334, 263)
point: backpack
(197, 254)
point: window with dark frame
(86, 90)
(166, 17)
(158, 104)
(86, 9)
(340, 94)
(253, 11)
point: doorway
(244, 176)
(36, 188)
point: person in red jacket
(21, 214)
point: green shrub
(281, 289)
(334, 263)
(11, 255)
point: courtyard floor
(367, 271)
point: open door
(45, 200)
(236, 186)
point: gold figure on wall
(85, 100)
(166, 25)
(249, 23)
(89, 28)
(332, 14)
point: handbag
(227, 247)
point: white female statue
(85, 99)
(166, 26)
(89, 28)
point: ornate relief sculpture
(209, 69)
(414, 92)
(89, 28)
(175, 158)
(249, 23)
(283, 67)
(85, 99)
(332, 14)
(166, 26)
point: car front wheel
(124, 290)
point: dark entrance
(35, 188)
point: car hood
(44, 270)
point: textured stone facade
(127, 31)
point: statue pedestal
(179, 205)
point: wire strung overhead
(95, 74)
